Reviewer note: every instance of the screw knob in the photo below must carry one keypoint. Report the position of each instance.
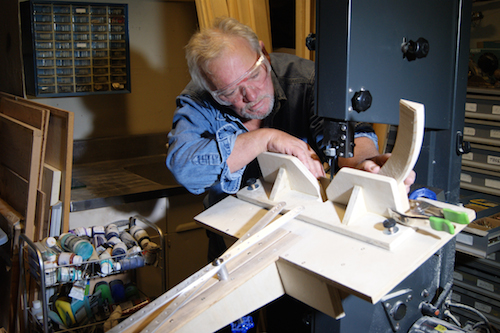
(389, 223)
(362, 100)
(311, 42)
(422, 49)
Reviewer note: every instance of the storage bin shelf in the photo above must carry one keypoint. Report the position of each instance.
(73, 48)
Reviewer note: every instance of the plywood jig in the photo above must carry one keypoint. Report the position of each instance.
(334, 243)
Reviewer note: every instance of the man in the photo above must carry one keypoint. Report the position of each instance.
(241, 102)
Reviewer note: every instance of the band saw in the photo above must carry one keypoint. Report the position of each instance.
(328, 249)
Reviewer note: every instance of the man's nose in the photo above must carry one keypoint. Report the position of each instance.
(249, 93)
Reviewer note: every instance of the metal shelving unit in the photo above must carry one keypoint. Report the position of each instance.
(32, 265)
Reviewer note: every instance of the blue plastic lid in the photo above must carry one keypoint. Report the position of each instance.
(84, 249)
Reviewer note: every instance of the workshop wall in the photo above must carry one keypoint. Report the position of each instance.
(158, 32)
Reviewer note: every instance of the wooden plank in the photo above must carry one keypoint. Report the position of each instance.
(311, 289)
(34, 116)
(59, 154)
(21, 195)
(213, 303)
(21, 146)
(51, 184)
(59, 148)
(41, 225)
(304, 25)
(29, 114)
(20, 150)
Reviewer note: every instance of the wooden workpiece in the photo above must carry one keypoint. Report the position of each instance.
(314, 257)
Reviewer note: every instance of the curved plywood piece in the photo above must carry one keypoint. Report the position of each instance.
(408, 141)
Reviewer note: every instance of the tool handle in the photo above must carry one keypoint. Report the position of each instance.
(440, 224)
(455, 216)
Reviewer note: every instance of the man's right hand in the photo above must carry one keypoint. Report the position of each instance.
(249, 145)
(284, 143)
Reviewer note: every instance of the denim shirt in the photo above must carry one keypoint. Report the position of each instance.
(204, 133)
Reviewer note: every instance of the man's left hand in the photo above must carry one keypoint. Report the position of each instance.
(374, 164)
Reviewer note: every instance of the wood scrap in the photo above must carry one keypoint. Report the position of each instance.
(59, 146)
(20, 151)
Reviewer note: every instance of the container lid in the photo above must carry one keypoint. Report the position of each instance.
(37, 304)
(50, 241)
(106, 267)
(77, 259)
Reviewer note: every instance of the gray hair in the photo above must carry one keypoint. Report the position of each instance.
(209, 43)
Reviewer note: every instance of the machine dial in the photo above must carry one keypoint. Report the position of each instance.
(362, 100)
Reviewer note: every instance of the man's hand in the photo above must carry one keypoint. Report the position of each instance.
(249, 145)
(374, 164)
(367, 158)
(281, 142)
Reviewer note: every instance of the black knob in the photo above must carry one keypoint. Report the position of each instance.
(361, 100)
(422, 49)
(389, 223)
(463, 147)
(311, 42)
(413, 50)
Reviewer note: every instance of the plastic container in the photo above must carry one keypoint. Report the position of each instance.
(103, 287)
(69, 258)
(48, 255)
(132, 263)
(37, 310)
(128, 239)
(117, 290)
(140, 235)
(106, 262)
(49, 242)
(112, 231)
(77, 245)
(119, 250)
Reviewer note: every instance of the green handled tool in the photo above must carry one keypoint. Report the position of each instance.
(440, 218)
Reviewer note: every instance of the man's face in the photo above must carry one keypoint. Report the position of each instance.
(242, 80)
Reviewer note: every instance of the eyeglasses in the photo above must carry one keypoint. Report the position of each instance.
(254, 77)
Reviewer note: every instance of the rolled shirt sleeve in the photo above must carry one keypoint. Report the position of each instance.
(200, 142)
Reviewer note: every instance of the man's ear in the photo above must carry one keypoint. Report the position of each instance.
(264, 51)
